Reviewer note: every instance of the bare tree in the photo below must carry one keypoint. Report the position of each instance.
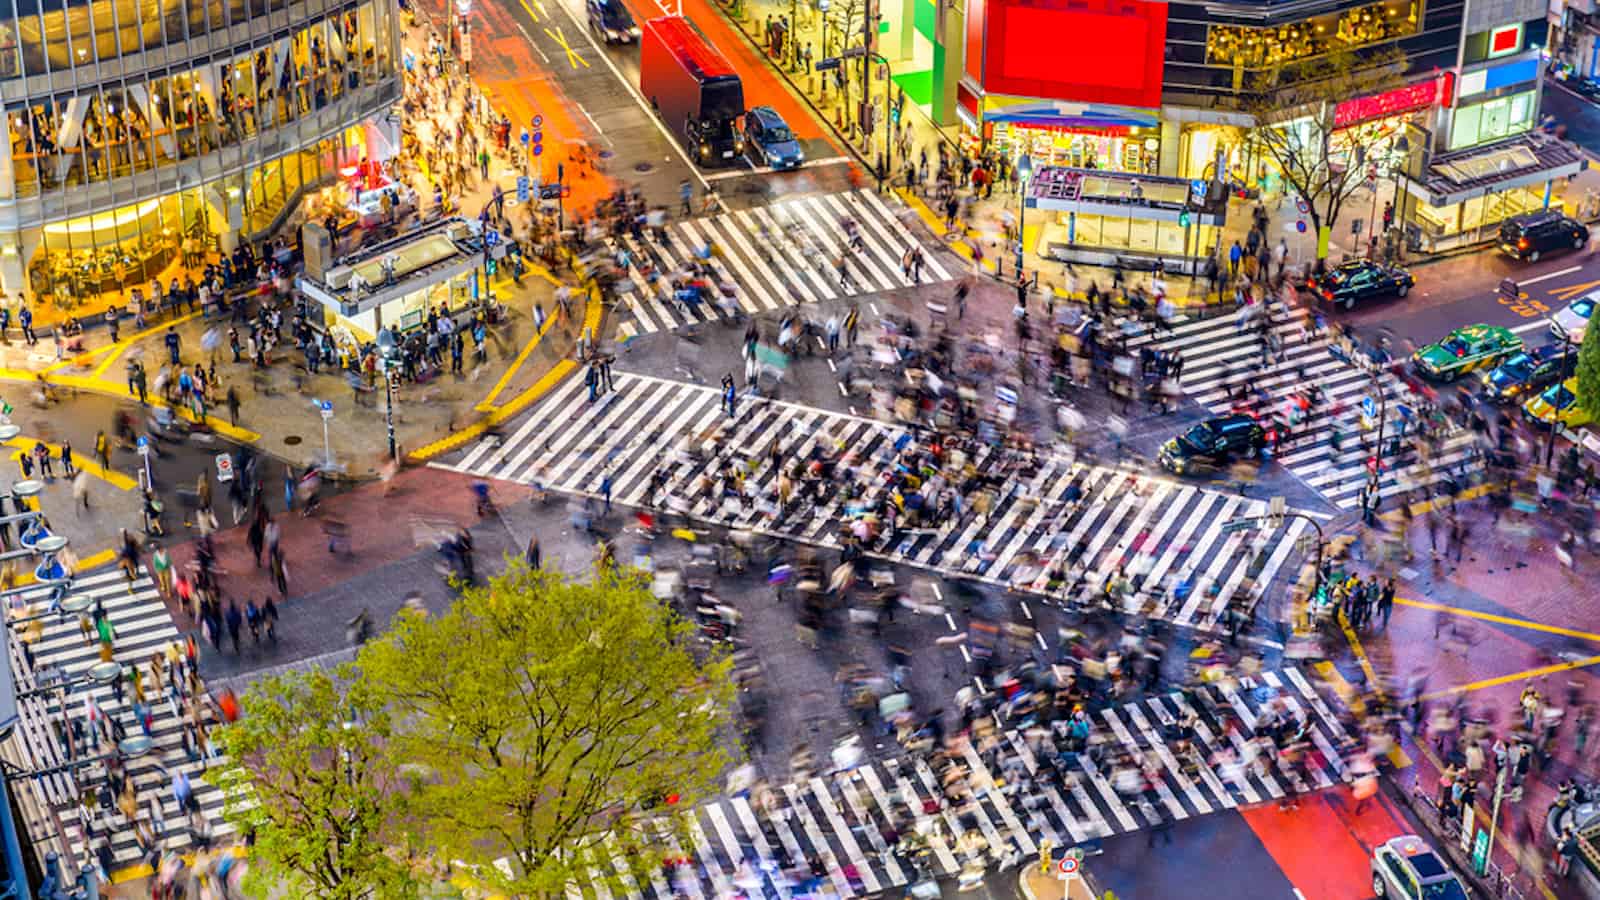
(1294, 106)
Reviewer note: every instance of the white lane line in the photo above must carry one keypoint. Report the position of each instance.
(1567, 271)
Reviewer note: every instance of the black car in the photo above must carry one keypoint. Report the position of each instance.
(1360, 280)
(1214, 442)
(1529, 236)
(612, 21)
(1526, 373)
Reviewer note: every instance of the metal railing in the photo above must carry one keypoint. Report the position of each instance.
(1496, 880)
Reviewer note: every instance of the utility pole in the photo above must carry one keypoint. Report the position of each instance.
(866, 67)
(1555, 414)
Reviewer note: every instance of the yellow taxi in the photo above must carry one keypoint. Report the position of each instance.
(1557, 405)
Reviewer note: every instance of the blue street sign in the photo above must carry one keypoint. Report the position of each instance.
(143, 442)
(491, 238)
(523, 137)
(538, 136)
(538, 149)
(1369, 406)
(538, 121)
(522, 189)
(327, 405)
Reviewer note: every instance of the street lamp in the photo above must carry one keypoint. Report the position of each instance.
(386, 353)
(1024, 171)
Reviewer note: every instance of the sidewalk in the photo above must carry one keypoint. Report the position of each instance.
(277, 405)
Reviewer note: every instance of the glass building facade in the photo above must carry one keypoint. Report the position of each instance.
(148, 133)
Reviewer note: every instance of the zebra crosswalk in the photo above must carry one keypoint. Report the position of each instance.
(776, 256)
(1092, 521)
(51, 659)
(1217, 355)
(1169, 756)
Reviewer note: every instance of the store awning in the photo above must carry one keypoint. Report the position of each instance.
(1073, 116)
(1528, 159)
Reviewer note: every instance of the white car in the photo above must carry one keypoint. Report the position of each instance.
(1571, 322)
(1406, 868)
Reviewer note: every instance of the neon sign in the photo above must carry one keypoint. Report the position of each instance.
(1388, 103)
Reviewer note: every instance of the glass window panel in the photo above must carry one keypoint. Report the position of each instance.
(1464, 131)
(1492, 123)
(79, 27)
(197, 17)
(126, 17)
(10, 49)
(1521, 112)
(55, 35)
(30, 38)
(104, 20)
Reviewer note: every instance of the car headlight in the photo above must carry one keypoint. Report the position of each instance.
(634, 31)
(799, 155)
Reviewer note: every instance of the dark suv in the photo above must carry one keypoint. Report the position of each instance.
(612, 21)
(1529, 236)
(1214, 442)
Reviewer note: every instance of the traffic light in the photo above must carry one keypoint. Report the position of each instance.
(1183, 219)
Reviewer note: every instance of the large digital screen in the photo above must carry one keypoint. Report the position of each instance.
(1099, 51)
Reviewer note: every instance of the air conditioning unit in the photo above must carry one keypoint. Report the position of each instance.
(338, 277)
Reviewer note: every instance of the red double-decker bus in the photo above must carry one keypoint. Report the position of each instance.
(694, 90)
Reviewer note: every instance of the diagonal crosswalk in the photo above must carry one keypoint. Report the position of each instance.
(1091, 521)
(1218, 355)
(53, 651)
(1197, 750)
(777, 256)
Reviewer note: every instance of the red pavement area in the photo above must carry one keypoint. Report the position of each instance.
(382, 530)
(1325, 847)
(762, 86)
(519, 86)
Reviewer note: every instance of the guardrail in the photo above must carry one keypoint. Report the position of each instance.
(1495, 880)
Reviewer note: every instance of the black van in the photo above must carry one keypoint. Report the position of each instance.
(612, 21)
(1531, 235)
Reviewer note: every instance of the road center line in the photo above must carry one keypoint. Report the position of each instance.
(1567, 271)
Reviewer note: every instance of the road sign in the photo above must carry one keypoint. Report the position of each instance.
(1480, 852)
(327, 409)
(524, 137)
(491, 238)
(1509, 289)
(1275, 506)
(224, 467)
(1300, 226)
(522, 189)
(826, 63)
(1067, 867)
(538, 149)
(538, 121)
(1237, 525)
(1369, 407)
(144, 445)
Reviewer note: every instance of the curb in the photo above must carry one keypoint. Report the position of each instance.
(594, 311)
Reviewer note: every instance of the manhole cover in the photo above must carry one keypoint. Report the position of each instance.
(642, 167)
(293, 439)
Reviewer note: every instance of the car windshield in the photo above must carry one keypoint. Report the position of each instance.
(1517, 366)
(1558, 396)
(1202, 435)
(1340, 276)
(1456, 345)
(1583, 308)
(779, 133)
(1449, 889)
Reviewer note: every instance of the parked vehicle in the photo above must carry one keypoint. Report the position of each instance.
(1527, 237)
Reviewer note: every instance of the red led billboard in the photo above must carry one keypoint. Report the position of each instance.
(1086, 51)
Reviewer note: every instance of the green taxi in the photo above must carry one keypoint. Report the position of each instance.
(1464, 350)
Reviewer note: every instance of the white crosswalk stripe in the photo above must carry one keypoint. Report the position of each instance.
(1218, 355)
(841, 820)
(142, 627)
(1091, 521)
(774, 256)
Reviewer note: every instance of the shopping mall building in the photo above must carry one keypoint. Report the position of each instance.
(143, 132)
(1163, 91)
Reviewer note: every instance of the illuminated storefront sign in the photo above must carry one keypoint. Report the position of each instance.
(1091, 51)
(1377, 106)
(1505, 40)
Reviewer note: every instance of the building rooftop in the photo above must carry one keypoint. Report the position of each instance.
(377, 274)
(1494, 164)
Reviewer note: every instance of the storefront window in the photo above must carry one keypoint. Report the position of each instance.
(1254, 48)
(1481, 123)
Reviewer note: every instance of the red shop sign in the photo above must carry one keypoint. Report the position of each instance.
(1388, 103)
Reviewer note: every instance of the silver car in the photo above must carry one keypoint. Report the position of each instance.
(1570, 322)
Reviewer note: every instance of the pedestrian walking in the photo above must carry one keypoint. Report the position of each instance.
(67, 467)
(80, 490)
(102, 450)
(533, 556)
(730, 394)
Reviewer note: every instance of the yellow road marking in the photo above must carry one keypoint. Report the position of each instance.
(574, 58)
(527, 349)
(529, 10)
(1360, 654)
(1514, 676)
(1347, 692)
(87, 463)
(1567, 292)
(111, 389)
(85, 563)
(1503, 620)
(1427, 506)
(591, 324)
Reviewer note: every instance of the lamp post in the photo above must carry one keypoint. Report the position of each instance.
(1402, 149)
(386, 350)
(1024, 172)
(1555, 417)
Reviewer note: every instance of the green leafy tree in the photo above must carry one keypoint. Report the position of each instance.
(552, 718)
(1589, 372)
(308, 768)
